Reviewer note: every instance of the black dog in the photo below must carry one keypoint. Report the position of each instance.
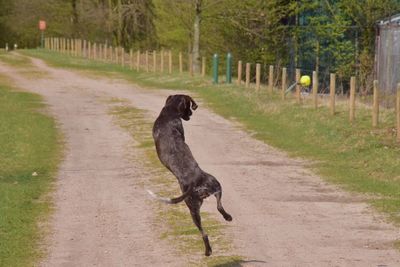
(175, 154)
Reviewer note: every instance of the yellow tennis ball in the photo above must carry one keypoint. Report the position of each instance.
(305, 80)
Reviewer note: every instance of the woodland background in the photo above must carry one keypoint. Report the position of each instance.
(323, 35)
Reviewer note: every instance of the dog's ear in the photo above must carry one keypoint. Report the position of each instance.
(185, 105)
(168, 99)
(194, 105)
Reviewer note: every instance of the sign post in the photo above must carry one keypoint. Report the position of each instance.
(42, 28)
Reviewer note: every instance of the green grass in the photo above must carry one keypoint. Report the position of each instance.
(22, 64)
(14, 60)
(355, 156)
(28, 143)
(181, 229)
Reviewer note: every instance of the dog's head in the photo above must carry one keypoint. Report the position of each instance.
(184, 104)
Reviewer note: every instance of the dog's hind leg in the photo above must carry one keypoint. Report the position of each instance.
(194, 207)
(221, 210)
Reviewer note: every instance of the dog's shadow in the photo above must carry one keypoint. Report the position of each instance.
(238, 263)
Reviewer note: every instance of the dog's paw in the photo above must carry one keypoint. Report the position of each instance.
(228, 217)
(208, 253)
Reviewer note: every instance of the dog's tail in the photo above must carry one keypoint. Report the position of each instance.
(171, 200)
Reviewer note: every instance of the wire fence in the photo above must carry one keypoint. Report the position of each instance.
(256, 75)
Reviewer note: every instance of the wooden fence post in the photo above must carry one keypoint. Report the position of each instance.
(116, 50)
(180, 63)
(122, 56)
(239, 78)
(203, 66)
(375, 105)
(190, 64)
(247, 75)
(315, 88)
(76, 47)
(147, 61)
(258, 75)
(271, 79)
(94, 51)
(131, 59)
(110, 49)
(298, 86)
(89, 50)
(67, 46)
(154, 60)
(138, 60)
(83, 48)
(352, 99)
(170, 62)
(98, 51)
(398, 112)
(332, 91)
(284, 80)
(162, 61)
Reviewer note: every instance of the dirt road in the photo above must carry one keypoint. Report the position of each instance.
(283, 214)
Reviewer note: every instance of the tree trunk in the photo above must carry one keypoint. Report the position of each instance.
(196, 38)
(110, 22)
(119, 41)
(75, 21)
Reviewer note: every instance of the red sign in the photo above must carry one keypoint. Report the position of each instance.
(42, 25)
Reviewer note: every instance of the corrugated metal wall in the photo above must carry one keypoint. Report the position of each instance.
(387, 63)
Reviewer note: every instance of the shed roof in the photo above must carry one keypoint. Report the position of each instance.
(395, 19)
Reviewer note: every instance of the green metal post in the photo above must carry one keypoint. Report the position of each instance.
(229, 68)
(215, 68)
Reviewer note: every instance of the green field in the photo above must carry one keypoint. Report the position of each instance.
(29, 143)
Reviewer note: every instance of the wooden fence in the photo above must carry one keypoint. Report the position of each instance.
(162, 61)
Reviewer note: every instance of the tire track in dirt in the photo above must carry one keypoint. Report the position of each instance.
(283, 214)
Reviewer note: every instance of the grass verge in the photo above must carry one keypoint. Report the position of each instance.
(181, 229)
(29, 144)
(22, 64)
(355, 156)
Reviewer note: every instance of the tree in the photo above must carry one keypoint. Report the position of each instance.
(364, 14)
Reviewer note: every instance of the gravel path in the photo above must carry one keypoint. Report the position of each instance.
(283, 214)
